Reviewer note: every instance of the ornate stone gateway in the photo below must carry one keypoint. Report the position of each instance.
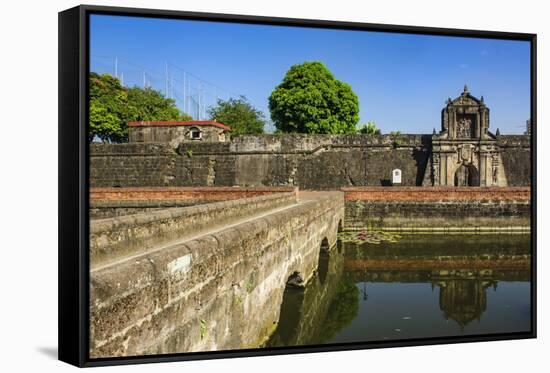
(464, 152)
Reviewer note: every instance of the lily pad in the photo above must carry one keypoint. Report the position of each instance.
(364, 236)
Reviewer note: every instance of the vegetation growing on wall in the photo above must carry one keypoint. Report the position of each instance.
(239, 114)
(311, 100)
(395, 138)
(112, 106)
(369, 129)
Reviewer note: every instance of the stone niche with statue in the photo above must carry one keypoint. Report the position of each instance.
(465, 152)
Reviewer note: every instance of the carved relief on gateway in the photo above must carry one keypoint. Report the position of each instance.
(495, 164)
(435, 171)
(464, 128)
(465, 153)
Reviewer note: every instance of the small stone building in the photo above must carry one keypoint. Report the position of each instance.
(465, 152)
(175, 132)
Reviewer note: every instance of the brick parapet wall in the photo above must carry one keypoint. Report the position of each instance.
(418, 194)
(154, 194)
(441, 209)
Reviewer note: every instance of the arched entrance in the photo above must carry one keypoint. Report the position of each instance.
(467, 175)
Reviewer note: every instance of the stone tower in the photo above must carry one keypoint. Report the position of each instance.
(464, 152)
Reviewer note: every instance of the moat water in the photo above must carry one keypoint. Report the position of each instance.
(418, 287)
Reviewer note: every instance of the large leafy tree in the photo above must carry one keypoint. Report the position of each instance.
(108, 109)
(112, 106)
(149, 104)
(239, 114)
(311, 100)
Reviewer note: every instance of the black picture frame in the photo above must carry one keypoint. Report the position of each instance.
(74, 190)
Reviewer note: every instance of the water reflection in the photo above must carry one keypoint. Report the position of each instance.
(463, 300)
(421, 286)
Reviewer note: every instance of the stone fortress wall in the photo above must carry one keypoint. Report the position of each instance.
(306, 161)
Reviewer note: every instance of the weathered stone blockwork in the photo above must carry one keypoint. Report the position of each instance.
(110, 209)
(124, 165)
(221, 291)
(310, 162)
(515, 152)
(306, 161)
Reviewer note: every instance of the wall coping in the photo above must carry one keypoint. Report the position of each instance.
(179, 193)
(433, 189)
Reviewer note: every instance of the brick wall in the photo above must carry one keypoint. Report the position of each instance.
(182, 193)
(438, 194)
(438, 209)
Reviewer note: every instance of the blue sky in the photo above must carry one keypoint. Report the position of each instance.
(402, 80)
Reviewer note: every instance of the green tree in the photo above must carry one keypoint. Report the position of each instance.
(239, 114)
(311, 100)
(185, 116)
(112, 106)
(105, 124)
(148, 104)
(108, 109)
(369, 129)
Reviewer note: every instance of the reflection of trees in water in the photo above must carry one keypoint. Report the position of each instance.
(342, 311)
(315, 314)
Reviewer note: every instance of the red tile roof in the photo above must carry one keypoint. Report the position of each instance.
(179, 123)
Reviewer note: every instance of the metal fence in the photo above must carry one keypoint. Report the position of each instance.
(192, 94)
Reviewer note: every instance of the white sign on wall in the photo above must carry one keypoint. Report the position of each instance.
(396, 176)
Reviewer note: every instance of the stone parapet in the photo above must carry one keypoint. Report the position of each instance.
(114, 239)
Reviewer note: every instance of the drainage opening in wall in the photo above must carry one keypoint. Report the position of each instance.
(295, 280)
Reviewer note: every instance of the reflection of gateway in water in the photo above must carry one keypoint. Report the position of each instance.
(463, 300)
(463, 292)
(330, 302)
